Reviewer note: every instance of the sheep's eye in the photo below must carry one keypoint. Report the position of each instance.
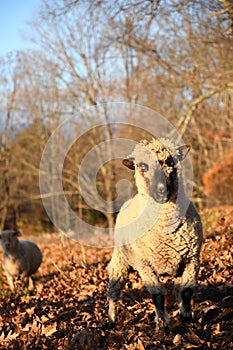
(170, 161)
(144, 167)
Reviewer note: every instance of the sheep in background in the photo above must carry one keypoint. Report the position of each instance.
(159, 231)
(20, 258)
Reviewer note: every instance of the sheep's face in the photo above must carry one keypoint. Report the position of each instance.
(151, 179)
(156, 170)
(9, 240)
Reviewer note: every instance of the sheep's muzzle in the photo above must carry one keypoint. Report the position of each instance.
(159, 188)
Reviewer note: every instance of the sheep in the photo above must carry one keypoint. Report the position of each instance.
(158, 232)
(20, 258)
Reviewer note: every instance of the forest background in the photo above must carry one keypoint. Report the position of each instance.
(172, 56)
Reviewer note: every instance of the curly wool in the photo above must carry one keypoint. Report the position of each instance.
(162, 149)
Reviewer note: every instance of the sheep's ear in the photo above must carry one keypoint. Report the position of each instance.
(129, 162)
(17, 233)
(183, 151)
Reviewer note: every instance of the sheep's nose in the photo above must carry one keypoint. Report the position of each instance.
(161, 189)
(161, 193)
(7, 245)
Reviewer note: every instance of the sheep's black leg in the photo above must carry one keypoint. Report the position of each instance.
(118, 273)
(186, 284)
(114, 292)
(158, 300)
(153, 286)
(186, 311)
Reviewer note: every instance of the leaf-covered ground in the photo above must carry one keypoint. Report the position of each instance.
(68, 309)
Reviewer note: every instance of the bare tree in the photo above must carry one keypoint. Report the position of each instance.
(8, 93)
(173, 57)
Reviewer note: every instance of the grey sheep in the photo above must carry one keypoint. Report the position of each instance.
(20, 258)
(158, 232)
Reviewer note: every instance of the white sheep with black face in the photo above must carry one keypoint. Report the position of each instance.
(159, 231)
(20, 258)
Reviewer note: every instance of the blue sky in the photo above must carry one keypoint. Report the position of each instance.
(14, 15)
